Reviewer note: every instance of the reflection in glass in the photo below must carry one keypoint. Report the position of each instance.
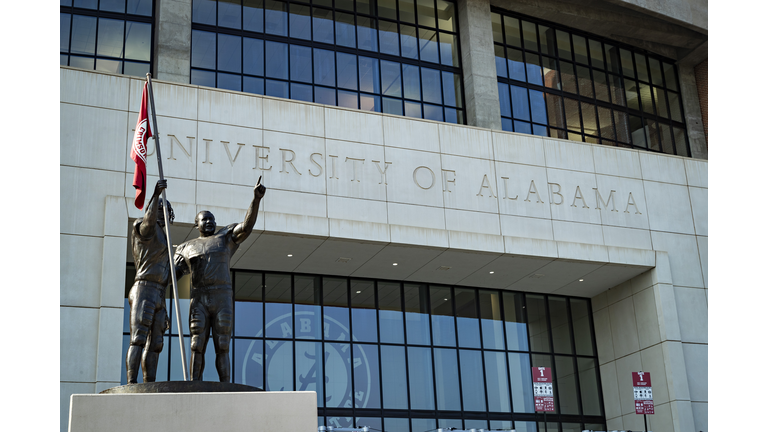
(276, 17)
(393, 377)
(202, 78)
(472, 382)
(346, 71)
(558, 312)
(307, 307)
(420, 377)
(496, 381)
(637, 131)
(253, 57)
(466, 318)
(538, 332)
(551, 74)
(278, 310)
(322, 25)
(588, 119)
(363, 311)
(533, 68)
(203, 49)
(446, 16)
(309, 370)
(580, 49)
(325, 68)
(680, 146)
(431, 88)
(529, 36)
(390, 312)
(590, 396)
(249, 362)
(675, 112)
(428, 47)
(253, 15)
(519, 98)
(505, 103)
(229, 13)
(411, 82)
(490, 319)
(512, 32)
(83, 36)
(443, 332)
(522, 385)
(366, 376)
(279, 365)
(389, 40)
(301, 64)
(138, 37)
(204, 12)
(646, 98)
(606, 126)
(568, 76)
(111, 66)
(627, 68)
(623, 132)
(565, 382)
(516, 64)
(417, 313)
(347, 99)
(335, 309)
(366, 34)
(596, 54)
(582, 332)
(110, 40)
(447, 379)
(300, 21)
(277, 66)
(409, 42)
(585, 82)
(249, 310)
(228, 53)
(345, 29)
(426, 12)
(452, 89)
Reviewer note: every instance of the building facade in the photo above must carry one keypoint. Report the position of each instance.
(458, 191)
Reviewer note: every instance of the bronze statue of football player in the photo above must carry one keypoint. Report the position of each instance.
(211, 305)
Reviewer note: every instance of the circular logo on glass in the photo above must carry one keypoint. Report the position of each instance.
(328, 371)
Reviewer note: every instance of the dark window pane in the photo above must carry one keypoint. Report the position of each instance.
(417, 313)
(505, 103)
(551, 73)
(642, 67)
(345, 4)
(325, 68)
(335, 309)
(64, 23)
(601, 86)
(306, 295)
(622, 126)
(392, 106)
(516, 64)
(547, 40)
(646, 99)
(112, 5)
(431, 88)
(86, 4)
(426, 13)
(203, 49)
(249, 308)
(523, 127)
(229, 13)
(277, 66)
(203, 78)
(681, 148)
(279, 365)
(276, 89)
(138, 40)
(249, 362)
(514, 321)
(204, 12)
(229, 53)
(389, 39)
(670, 77)
(300, 22)
(253, 56)
(451, 115)
(325, 96)
(83, 39)
(555, 112)
(501, 61)
(596, 54)
(387, 9)
(538, 107)
(512, 32)
(390, 312)
(656, 75)
(612, 54)
(661, 102)
(346, 71)
(568, 77)
(590, 399)
(561, 333)
(637, 131)
(364, 327)
(407, 12)
(630, 89)
(627, 67)
(538, 333)
(277, 302)
(409, 42)
(606, 129)
(301, 64)
(665, 133)
(466, 318)
(140, 7)
(506, 125)
(585, 82)
(228, 81)
(540, 130)
(533, 68)
(393, 377)
(490, 320)
(276, 17)
(580, 49)
(496, 382)
(420, 376)
(675, 111)
(253, 15)
(617, 90)
(253, 85)
(529, 36)
(446, 16)
(428, 48)
(322, 25)
(443, 332)
(364, 7)
(472, 382)
(347, 99)
(345, 29)
(564, 45)
(110, 66)
(447, 379)
(391, 83)
(565, 381)
(411, 83)
(366, 34)
(589, 119)
(519, 99)
(369, 74)
(452, 89)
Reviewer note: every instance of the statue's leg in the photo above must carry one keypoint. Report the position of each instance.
(222, 333)
(141, 316)
(199, 328)
(154, 343)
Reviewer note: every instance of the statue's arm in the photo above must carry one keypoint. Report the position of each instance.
(243, 230)
(180, 264)
(147, 227)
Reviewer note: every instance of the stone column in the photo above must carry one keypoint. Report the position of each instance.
(689, 92)
(478, 64)
(173, 40)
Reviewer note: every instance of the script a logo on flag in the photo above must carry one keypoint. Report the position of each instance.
(139, 151)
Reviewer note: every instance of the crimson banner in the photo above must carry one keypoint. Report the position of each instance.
(139, 151)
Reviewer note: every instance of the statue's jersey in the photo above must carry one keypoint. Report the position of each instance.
(207, 258)
(151, 255)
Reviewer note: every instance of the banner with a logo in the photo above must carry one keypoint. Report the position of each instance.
(139, 151)
(543, 393)
(641, 383)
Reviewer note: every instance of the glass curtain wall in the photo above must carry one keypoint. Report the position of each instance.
(557, 82)
(404, 356)
(107, 35)
(392, 56)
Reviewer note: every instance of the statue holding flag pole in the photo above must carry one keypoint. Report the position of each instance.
(151, 247)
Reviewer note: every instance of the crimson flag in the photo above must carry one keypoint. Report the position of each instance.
(139, 151)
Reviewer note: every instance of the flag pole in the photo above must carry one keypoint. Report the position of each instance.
(168, 233)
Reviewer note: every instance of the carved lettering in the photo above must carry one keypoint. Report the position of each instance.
(384, 171)
(333, 167)
(178, 143)
(506, 189)
(532, 190)
(229, 154)
(354, 167)
(259, 157)
(486, 184)
(311, 159)
(553, 192)
(289, 161)
(599, 199)
(578, 195)
(416, 180)
(207, 151)
(446, 180)
(631, 202)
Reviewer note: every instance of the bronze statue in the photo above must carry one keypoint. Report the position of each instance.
(211, 305)
(149, 318)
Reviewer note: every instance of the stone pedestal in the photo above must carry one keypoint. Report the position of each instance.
(194, 412)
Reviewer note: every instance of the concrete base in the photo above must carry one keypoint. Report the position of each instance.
(193, 412)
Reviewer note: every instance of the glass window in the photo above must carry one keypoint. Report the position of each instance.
(490, 319)
(364, 328)
(441, 305)
(277, 302)
(472, 382)
(417, 313)
(390, 312)
(496, 381)
(447, 379)
(421, 387)
(393, 377)
(466, 318)
(367, 390)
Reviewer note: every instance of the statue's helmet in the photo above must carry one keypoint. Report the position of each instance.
(161, 203)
